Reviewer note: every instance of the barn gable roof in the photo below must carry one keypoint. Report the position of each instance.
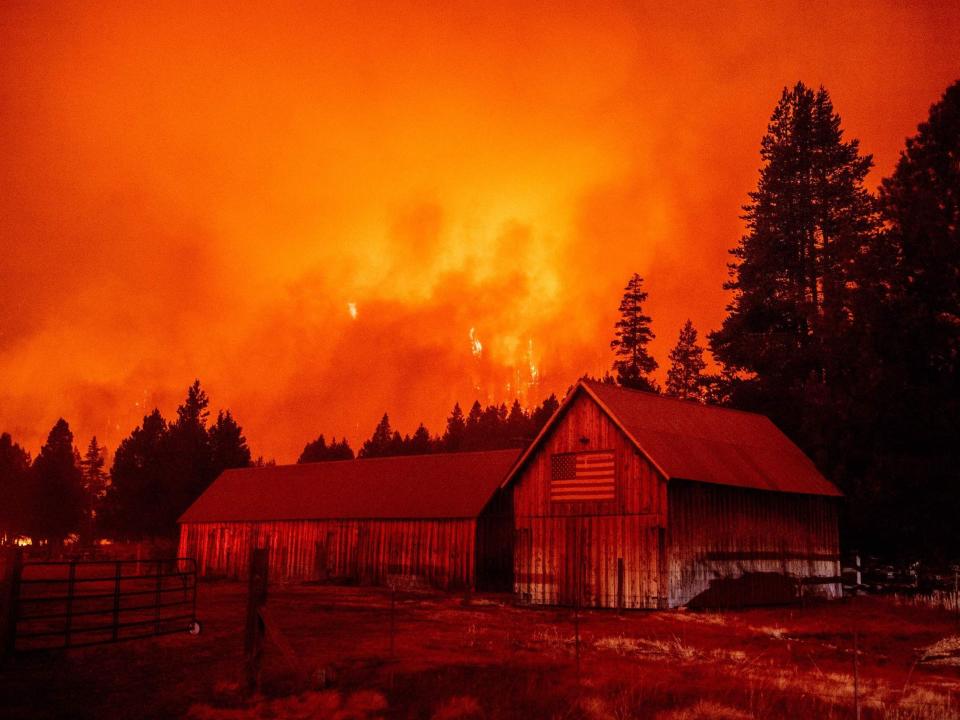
(443, 485)
(687, 440)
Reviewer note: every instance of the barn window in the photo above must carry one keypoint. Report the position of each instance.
(583, 476)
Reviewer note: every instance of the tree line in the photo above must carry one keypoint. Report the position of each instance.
(492, 428)
(157, 472)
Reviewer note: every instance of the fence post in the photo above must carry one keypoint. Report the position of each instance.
(71, 586)
(257, 598)
(13, 570)
(118, 571)
(157, 597)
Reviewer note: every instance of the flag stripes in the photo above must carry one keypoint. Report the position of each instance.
(578, 477)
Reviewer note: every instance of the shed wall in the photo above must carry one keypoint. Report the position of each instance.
(565, 553)
(718, 532)
(438, 552)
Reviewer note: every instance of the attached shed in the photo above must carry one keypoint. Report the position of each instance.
(630, 499)
(368, 521)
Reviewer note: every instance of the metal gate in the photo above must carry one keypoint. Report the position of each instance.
(76, 603)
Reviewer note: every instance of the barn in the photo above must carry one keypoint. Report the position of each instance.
(630, 499)
(412, 519)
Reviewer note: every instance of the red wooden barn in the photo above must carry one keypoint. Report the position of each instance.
(630, 499)
(391, 519)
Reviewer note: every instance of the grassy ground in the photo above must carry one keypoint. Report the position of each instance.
(448, 659)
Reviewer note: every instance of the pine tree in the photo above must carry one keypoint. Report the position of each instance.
(542, 413)
(95, 481)
(518, 429)
(420, 443)
(228, 446)
(319, 451)
(58, 485)
(16, 501)
(339, 450)
(379, 443)
(684, 378)
(807, 221)
(190, 453)
(314, 451)
(456, 428)
(137, 503)
(921, 205)
(905, 477)
(634, 364)
(472, 437)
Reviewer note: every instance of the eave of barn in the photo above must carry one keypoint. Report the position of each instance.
(602, 554)
(436, 552)
(718, 534)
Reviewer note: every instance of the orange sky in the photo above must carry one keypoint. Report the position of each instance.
(201, 191)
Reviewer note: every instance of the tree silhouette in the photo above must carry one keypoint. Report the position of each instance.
(633, 363)
(190, 453)
(420, 443)
(380, 442)
(95, 481)
(318, 450)
(518, 426)
(456, 428)
(921, 205)
(16, 498)
(228, 446)
(905, 411)
(160, 469)
(807, 221)
(137, 501)
(542, 413)
(684, 378)
(58, 484)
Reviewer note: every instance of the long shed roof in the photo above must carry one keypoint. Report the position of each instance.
(688, 440)
(444, 485)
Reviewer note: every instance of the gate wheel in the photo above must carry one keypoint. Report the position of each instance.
(194, 628)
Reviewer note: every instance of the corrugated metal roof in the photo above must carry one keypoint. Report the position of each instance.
(691, 441)
(687, 440)
(444, 485)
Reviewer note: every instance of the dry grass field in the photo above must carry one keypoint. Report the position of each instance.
(451, 657)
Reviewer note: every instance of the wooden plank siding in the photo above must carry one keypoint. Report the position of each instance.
(570, 552)
(440, 553)
(723, 532)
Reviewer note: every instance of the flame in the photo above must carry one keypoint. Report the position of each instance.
(476, 347)
(532, 365)
(352, 309)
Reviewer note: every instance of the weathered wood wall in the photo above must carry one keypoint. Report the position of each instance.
(720, 532)
(438, 552)
(565, 552)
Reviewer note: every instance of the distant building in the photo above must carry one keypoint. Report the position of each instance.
(376, 521)
(631, 499)
(625, 499)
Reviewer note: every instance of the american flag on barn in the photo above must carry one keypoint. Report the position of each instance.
(583, 476)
